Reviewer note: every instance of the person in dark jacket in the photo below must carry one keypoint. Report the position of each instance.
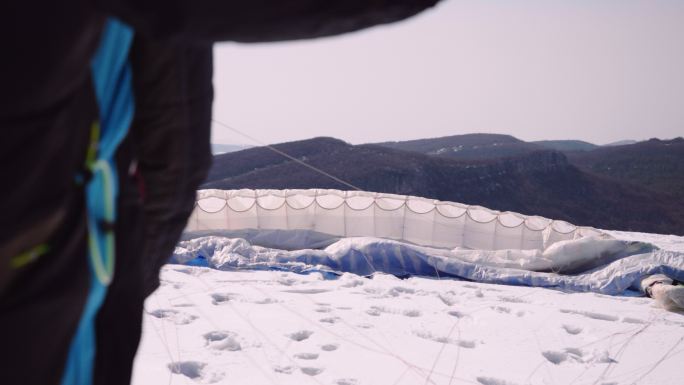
(105, 109)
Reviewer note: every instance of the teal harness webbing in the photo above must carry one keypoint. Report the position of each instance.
(111, 76)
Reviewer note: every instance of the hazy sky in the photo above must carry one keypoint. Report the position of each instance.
(596, 70)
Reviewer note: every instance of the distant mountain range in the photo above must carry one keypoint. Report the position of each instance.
(655, 165)
(634, 187)
(621, 143)
(567, 145)
(224, 148)
(468, 147)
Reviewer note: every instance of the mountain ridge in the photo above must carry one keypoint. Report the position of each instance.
(540, 182)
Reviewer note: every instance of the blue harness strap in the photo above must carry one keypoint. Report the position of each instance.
(111, 76)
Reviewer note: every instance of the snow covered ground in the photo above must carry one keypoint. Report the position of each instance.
(275, 327)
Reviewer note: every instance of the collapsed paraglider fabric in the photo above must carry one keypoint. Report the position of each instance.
(416, 220)
(411, 236)
(589, 264)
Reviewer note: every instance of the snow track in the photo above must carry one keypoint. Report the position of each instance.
(270, 327)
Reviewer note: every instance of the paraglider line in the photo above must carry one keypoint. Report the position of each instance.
(288, 156)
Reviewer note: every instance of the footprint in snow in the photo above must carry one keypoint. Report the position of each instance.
(220, 298)
(468, 344)
(266, 301)
(577, 355)
(190, 369)
(175, 316)
(399, 290)
(374, 311)
(502, 309)
(347, 381)
(554, 357)
(493, 381)
(329, 347)
(512, 299)
(631, 320)
(196, 371)
(284, 369)
(571, 329)
(300, 335)
(377, 310)
(457, 314)
(311, 371)
(412, 313)
(222, 340)
(352, 283)
(373, 290)
(287, 281)
(330, 320)
(448, 299)
(306, 356)
(323, 310)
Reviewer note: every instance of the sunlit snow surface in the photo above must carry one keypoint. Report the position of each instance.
(271, 327)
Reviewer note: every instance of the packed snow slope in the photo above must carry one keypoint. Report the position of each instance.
(287, 320)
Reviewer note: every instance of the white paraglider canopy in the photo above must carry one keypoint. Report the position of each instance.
(364, 232)
(416, 220)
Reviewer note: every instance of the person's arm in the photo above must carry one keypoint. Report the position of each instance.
(257, 20)
(171, 128)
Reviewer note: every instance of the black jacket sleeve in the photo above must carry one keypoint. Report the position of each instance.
(171, 128)
(172, 70)
(258, 20)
